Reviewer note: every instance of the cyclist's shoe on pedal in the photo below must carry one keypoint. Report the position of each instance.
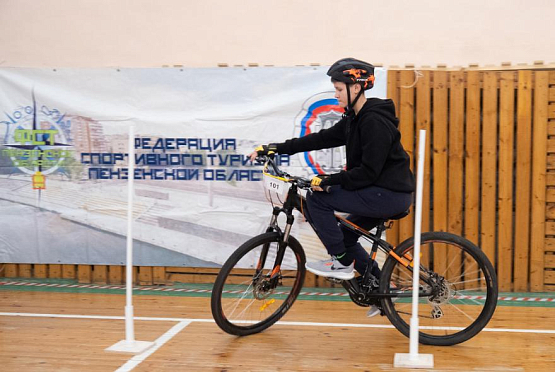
(373, 310)
(332, 268)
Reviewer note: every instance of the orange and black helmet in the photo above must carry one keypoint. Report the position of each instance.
(352, 71)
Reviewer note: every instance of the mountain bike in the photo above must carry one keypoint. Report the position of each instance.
(260, 281)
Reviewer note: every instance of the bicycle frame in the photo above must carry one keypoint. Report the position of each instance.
(296, 201)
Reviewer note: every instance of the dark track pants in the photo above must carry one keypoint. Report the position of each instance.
(366, 206)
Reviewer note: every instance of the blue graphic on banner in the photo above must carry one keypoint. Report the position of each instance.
(320, 112)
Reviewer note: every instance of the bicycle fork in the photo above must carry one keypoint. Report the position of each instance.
(282, 245)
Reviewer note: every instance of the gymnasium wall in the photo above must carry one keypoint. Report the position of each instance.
(144, 33)
(502, 42)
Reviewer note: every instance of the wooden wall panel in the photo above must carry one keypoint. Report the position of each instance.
(489, 165)
(440, 160)
(523, 181)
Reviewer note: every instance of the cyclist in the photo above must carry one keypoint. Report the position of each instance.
(377, 182)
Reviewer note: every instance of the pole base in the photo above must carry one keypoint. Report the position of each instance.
(414, 361)
(132, 347)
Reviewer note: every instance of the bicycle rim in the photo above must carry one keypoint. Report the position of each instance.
(467, 292)
(244, 299)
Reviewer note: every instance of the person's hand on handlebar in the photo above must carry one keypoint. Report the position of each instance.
(320, 182)
(263, 150)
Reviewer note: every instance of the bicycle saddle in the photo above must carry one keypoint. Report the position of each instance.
(398, 216)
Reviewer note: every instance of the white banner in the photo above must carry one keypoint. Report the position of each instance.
(64, 153)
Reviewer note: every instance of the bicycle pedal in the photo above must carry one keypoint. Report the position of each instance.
(334, 280)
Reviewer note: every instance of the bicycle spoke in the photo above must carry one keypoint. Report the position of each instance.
(246, 308)
(237, 302)
(444, 274)
(462, 312)
(467, 281)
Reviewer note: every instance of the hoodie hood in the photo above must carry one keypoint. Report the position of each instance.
(383, 107)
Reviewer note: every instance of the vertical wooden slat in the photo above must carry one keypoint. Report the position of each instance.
(84, 273)
(68, 272)
(406, 115)
(539, 164)
(159, 275)
(423, 106)
(505, 195)
(100, 274)
(55, 271)
(11, 270)
(2, 270)
(522, 176)
(472, 172)
(145, 275)
(472, 157)
(456, 173)
(456, 152)
(115, 274)
(310, 279)
(134, 274)
(489, 165)
(25, 271)
(40, 271)
(440, 161)
(393, 93)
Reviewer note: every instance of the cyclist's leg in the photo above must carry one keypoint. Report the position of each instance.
(354, 249)
(372, 201)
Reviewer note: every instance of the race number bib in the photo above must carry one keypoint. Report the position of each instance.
(278, 186)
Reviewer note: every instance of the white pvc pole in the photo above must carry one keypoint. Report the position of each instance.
(416, 259)
(129, 328)
(130, 345)
(413, 359)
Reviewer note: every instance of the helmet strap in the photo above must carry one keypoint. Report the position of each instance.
(350, 109)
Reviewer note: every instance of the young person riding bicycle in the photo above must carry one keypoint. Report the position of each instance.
(377, 182)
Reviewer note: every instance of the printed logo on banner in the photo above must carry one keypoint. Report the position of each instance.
(35, 140)
(320, 111)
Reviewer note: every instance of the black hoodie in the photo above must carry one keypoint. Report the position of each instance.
(375, 155)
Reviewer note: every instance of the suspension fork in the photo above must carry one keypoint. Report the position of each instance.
(282, 245)
(266, 247)
(281, 250)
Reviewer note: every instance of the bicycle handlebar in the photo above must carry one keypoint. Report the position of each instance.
(301, 182)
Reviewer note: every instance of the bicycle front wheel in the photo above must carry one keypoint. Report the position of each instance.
(463, 291)
(246, 297)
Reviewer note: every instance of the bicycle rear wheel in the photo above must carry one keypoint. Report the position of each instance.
(244, 298)
(465, 294)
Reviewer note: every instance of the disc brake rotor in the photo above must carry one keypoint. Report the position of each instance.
(262, 289)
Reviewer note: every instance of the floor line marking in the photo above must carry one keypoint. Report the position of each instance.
(287, 323)
(160, 341)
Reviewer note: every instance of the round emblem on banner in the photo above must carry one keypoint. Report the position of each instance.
(35, 140)
(320, 111)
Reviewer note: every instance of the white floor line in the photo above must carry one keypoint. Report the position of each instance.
(286, 323)
(160, 341)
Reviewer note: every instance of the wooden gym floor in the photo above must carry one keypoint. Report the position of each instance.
(63, 327)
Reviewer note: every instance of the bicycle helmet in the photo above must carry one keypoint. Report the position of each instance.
(352, 71)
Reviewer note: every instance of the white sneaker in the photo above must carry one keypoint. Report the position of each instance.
(332, 268)
(373, 311)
